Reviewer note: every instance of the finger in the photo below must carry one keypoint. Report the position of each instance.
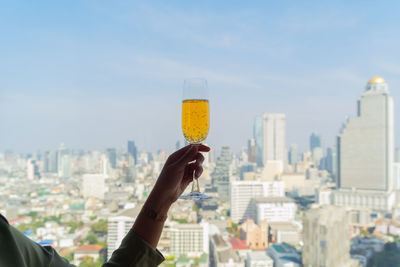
(203, 148)
(179, 153)
(188, 174)
(198, 172)
(189, 156)
(199, 158)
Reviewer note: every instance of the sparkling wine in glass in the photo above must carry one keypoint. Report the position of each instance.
(195, 122)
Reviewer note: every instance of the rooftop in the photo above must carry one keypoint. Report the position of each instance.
(376, 80)
(273, 199)
(238, 244)
(94, 248)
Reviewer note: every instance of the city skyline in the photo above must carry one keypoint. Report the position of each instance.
(85, 81)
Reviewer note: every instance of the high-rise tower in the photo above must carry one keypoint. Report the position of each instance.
(270, 137)
(365, 151)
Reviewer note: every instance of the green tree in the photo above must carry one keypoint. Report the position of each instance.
(91, 238)
(99, 227)
(89, 262)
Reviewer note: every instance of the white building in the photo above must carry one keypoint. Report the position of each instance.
(242, 192)
(274, 209)
(93, 186)
(326, 238)
(258, 259)
(270, 137)
(189, 239)
(118, 227)
(365, 150)
(30, 169)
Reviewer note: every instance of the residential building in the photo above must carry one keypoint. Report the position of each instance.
(284, 255)
(258, 259)
(93, 185)
(189, 239)
(96, 252)
(274, 209)
(242, 192)
(256, 235)
(222, 254)
(118, 226)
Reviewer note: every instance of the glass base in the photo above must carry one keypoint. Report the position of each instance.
(195, 196)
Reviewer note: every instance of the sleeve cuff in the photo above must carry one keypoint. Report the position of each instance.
(134, 251)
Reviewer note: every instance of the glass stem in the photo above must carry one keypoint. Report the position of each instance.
(195, 184)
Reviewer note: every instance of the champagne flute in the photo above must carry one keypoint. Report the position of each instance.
(195, 122)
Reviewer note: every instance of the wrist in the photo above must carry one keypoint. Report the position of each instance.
(158, 203)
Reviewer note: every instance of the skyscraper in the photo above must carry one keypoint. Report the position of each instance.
(331, 161)
(258, 138)
(326, 238)
(112, 157)
(315, 141)
(132, 152)
(252, 150)
(293, 154)
(221, 173)
(63, 161)
(270, 137)
(365, 148)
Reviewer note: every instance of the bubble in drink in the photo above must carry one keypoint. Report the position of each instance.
(195, 120)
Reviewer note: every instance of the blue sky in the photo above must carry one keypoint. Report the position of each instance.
(94, 74)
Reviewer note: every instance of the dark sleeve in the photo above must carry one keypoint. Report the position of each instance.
(19, 251)
(134, 251)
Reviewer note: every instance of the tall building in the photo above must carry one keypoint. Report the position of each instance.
(53, 162)
(326, 238)
(221, 174)
(293, 156)
(132, 153)
(331, 161)
(112, 157)
(32, 169)
(315, 141)
(365, 148)
(189, 239)
(252, 150)
(243, 192)
(64, 170)
(63, 161)
(270, 137)
(258, 138)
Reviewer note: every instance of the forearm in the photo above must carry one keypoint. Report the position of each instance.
(147, 228)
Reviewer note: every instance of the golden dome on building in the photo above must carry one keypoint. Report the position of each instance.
(376, 80)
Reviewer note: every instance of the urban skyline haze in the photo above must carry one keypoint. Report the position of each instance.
(96, 74)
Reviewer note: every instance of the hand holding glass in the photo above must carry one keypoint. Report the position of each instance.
(195, 122)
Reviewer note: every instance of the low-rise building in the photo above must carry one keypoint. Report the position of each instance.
(258, 259)
(222, 254)
(95, 252)
(284, 255)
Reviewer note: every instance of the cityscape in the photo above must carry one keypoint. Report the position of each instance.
(273, 204)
